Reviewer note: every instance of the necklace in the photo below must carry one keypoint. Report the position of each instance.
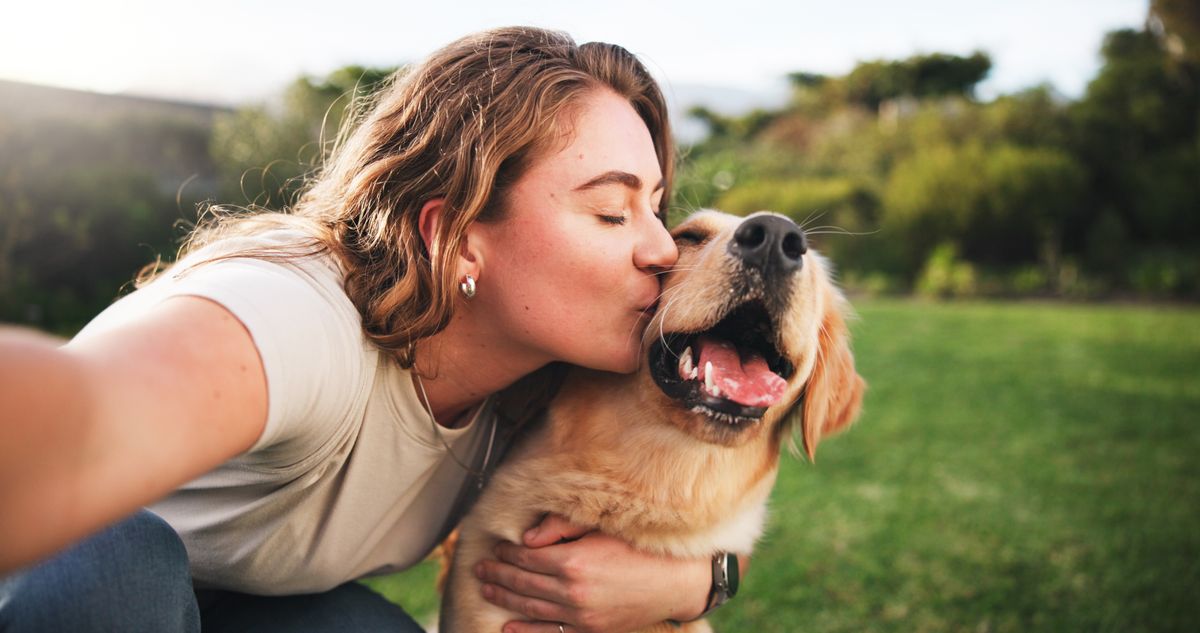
(481, 474)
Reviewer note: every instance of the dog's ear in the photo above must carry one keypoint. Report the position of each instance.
(833, 396)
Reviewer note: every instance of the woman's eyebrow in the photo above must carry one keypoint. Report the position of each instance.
(618, 178)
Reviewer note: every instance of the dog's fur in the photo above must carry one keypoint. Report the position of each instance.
(616, 453)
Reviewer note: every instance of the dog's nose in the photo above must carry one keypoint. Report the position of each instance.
(771, 243)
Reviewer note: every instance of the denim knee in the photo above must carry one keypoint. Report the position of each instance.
(132, 576)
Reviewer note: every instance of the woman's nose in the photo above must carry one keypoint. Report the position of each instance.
(655, 249)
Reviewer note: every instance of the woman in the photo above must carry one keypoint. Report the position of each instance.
(304, 397)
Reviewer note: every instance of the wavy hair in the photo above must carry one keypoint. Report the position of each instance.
(464, 125)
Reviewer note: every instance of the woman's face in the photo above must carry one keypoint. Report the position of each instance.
(571, 271)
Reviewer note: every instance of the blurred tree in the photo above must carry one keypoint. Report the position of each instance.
(921, 76)
(1001, 205)
(940, 75)
(1177, 25)
(84, 204)
(1137, 128)
(815, 94)
(805, 80)
(1032, 117)
(734, 127)
(265, 151)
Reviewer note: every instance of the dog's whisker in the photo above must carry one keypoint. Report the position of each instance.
(842, 232)
(642, 337)
(658, 317)
(678, 292)
(812, 217)
(676, 269)
(662, 335)
(665, 308)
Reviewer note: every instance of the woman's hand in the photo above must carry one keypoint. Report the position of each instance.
(590, 583)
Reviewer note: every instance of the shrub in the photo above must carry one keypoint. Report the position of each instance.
(1166, 272)
(947, 275)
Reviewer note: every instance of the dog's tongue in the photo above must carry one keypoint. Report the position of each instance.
(746, 381)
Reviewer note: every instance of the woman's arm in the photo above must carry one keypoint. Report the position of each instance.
(94, 429)
(594, 583)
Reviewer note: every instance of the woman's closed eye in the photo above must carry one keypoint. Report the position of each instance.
(612, 218)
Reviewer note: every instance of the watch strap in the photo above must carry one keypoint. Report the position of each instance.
(725, 580)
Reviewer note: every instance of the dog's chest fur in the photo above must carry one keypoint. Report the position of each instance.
(614, 467)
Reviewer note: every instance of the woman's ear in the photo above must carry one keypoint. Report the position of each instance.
(429, 224)
(834, 392)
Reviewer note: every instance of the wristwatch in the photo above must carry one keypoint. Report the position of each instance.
(724, 580)
(724, 584)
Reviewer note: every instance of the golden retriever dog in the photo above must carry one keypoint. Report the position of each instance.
(679, 458)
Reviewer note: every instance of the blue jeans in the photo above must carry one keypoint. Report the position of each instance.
(134, 577)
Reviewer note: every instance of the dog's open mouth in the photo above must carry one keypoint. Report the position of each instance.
(732, 372)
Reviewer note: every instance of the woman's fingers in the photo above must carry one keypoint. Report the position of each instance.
(538, 627)
(530, 607)
(521, 581)
(542, 561)
(554, 528)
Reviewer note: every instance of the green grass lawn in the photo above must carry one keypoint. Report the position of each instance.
(1017, 467)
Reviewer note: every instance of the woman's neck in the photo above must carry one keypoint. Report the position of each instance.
(465, 363)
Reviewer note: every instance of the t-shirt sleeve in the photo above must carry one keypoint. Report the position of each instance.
(309, 338)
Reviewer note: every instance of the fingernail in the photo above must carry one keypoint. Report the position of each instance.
(531, 534)
(488, 591)
(479, 570)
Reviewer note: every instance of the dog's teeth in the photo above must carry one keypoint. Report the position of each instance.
(694, 374)
(709, 380)
(686, 369)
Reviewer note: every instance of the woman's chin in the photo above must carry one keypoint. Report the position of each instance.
(627, 365)
(618, 362)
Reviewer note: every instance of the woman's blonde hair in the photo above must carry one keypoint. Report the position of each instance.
(462, 126)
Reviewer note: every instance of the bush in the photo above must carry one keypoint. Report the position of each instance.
(872, 283)
(1165, 272)
(1003, 205)
(1029, 280)
(801, 199)
(947, 275)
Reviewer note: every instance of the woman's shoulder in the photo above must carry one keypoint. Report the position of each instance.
(290, 296)
(282, 246)
(274, 281)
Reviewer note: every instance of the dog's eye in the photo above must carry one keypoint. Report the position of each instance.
(690, 238)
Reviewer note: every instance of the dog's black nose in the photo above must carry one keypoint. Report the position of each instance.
(771, 243)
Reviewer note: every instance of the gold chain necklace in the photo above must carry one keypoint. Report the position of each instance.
(481, 474)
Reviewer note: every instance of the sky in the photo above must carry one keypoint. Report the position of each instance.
(240, 51)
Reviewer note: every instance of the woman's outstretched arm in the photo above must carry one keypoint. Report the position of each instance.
(92, 430)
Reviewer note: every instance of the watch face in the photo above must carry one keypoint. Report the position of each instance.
(724, 580)
(733, 573)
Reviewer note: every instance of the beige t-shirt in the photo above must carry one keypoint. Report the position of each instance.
(349, 478)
